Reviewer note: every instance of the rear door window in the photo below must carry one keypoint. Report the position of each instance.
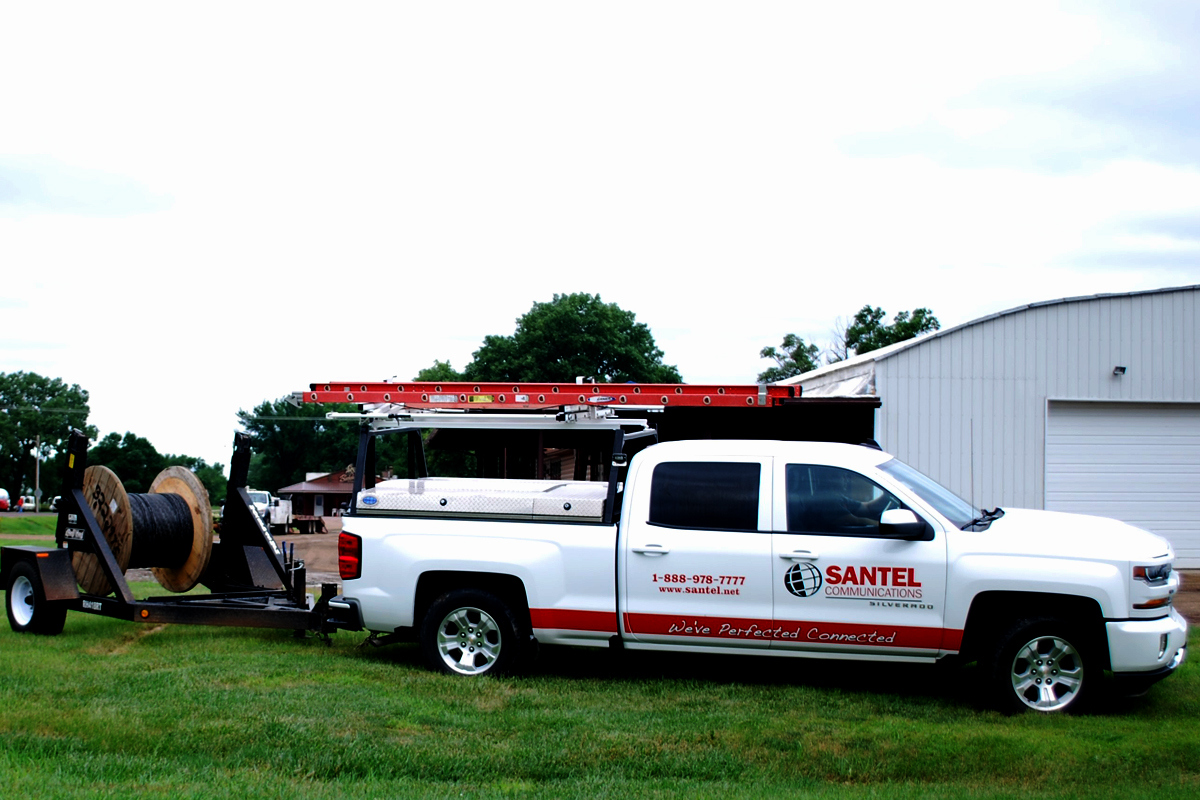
(713, 495)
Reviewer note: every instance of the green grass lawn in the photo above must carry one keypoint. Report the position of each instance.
(118, 709)
(27, 525)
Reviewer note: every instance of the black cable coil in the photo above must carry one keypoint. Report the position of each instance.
(162, 530)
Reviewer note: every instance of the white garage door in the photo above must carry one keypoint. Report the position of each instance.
(1137, 462)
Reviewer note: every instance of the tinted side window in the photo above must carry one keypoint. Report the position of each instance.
(704, 494)
(835, 501)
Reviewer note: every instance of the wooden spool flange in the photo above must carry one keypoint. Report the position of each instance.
(181, 481)
(110, 505)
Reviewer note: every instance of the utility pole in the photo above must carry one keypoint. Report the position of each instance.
(37, 474)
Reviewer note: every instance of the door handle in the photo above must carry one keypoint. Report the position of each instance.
(651, 550)
(800, 555)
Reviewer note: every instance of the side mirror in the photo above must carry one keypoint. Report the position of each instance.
(900, 523)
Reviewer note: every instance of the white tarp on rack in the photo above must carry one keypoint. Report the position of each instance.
(853, 386)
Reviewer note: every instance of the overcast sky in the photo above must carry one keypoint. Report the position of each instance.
(207, 206)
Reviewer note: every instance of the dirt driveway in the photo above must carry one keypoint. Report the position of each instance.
(318, 551)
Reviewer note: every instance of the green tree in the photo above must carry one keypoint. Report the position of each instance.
(137, 463)
(211, 475)
(134, 460)
(573, 335)
(868, 332)
(37, 413)
(792, 358)
(290, 441)
(440, 371)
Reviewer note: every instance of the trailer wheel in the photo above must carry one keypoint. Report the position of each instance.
(471, 632)
(28, 609)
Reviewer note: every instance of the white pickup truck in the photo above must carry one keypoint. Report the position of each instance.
(800, 549)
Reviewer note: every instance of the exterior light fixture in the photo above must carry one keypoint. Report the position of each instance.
(1118, 371)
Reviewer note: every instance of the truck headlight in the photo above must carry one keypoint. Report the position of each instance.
(1155, 575)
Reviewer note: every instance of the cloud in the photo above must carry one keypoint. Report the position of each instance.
(39, 185)
(1163, 241)
(1033, 141)
(1127, 90)
(1179, 227)
(1157, 259)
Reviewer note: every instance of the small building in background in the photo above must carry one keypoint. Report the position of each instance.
(318, 501)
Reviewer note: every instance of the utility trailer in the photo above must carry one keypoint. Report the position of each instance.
(251, 581)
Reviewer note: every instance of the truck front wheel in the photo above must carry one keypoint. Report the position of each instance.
(1040, 664)
(471, 632)
(28, 609)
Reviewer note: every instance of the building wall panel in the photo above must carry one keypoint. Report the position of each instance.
(968, 406)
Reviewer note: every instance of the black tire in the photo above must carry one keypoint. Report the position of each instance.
(473, 633)
(1045, 664)
(28, 609)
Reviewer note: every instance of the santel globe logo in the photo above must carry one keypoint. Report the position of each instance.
(803, 580)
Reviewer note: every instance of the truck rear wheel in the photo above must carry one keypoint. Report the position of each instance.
(1040, 664)
(28, 609)
(472, 632)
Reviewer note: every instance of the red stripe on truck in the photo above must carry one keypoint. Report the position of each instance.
(737, 628)
(569, 620)
(793, 631)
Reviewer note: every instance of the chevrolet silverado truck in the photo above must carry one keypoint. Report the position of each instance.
(763, 548)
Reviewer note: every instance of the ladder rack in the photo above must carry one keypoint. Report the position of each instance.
(497, 396)
(579, 417)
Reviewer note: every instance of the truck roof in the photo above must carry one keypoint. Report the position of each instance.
(850, 455)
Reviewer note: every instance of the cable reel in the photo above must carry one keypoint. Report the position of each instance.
(169, 530)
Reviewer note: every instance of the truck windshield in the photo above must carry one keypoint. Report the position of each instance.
(947, 503)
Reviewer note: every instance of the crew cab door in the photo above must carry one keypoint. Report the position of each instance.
(840, 585)
(696, 554)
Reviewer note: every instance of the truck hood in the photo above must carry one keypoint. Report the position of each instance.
(1054, 533)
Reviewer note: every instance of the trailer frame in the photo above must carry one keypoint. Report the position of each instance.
(252, 582)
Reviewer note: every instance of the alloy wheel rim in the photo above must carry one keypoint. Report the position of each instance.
(1047, 673)
(468, 640)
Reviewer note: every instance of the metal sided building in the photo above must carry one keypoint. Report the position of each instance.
(1085, 404)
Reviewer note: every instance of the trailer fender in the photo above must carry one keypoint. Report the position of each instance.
(53, 568)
